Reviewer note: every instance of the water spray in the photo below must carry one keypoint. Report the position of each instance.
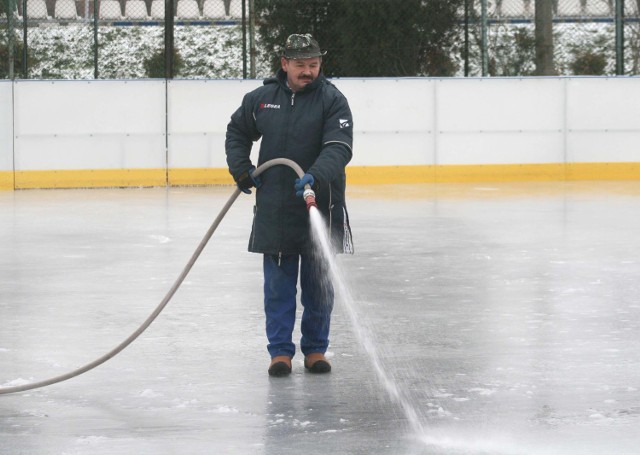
(310, 199)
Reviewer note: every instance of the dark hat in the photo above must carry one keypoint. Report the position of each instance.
(302, 46)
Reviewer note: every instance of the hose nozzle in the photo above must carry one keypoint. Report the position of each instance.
(309, 197)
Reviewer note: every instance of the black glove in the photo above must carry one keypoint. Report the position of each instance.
(247, 180)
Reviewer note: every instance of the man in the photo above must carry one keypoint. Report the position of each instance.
(301, 116)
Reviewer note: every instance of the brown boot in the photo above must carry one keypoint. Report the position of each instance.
(280, 366)
(317, 363)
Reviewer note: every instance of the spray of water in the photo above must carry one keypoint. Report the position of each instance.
(321, 240)
(440, 438)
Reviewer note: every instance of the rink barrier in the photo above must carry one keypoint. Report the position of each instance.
(85, 134)
(493, 173)
(98, 178)
(7, 180)
(359, 175)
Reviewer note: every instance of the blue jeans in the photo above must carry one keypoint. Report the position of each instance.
(280, 289)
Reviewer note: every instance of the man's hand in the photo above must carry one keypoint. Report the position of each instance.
(247, 180)
(300, 183)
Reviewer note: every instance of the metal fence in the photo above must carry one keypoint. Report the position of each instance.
(590, 37)
(87, 39)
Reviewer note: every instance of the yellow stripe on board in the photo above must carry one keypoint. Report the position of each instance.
(362, 175)
(91, 178)
(199, 176)
(454, 173)
(492, 173)
(500, 173)
(603, 171)
(365, 175)
(6, 180)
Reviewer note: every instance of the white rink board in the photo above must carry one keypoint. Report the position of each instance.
(504, 147)
(76, 125)
(604, 147)
(70, 125)
(500, 121)
(603, 120)
(6, 126)
(199, 112)
(598, 104)
(504, 104)
(393, 120)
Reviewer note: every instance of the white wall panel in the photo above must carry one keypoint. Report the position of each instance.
(6, 126)
(603, 147)
(391, 148)
(481, 105)
(41, 153)
(122, 124)
(393, 120)
(500, 121)
(600, 104)
(199, 112)
(390, 104)
(500, 148)
(603, 120)
(89, 125)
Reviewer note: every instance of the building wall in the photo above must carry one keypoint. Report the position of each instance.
(153, 132)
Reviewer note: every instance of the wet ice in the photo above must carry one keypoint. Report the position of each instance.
(508, 316)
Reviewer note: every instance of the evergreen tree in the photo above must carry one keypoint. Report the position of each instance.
(367, 38)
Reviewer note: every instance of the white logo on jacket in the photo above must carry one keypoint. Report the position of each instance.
(344, 123)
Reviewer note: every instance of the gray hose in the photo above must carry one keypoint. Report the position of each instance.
(35, 385)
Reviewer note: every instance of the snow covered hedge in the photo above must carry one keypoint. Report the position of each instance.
(66, 51)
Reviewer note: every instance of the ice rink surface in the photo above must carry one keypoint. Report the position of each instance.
(507, 315)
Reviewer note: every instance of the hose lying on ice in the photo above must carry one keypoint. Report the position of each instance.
(99, 361)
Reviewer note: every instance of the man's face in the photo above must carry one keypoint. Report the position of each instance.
(301, 72)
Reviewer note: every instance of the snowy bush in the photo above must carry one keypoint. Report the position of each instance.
(215, 52)
(67, 52)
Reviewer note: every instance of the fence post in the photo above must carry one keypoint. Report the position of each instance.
(466, 38)
(619, 37)
(244, 39)
(252, 39)
(96, 9)
(545, 65)
(485, 38)
(10, 38)
(25, 67)
(168, 38)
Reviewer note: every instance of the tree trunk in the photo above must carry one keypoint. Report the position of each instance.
(544, 38)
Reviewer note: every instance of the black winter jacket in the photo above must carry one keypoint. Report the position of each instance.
(312, 127)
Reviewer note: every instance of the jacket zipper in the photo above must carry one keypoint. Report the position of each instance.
(293, 96)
